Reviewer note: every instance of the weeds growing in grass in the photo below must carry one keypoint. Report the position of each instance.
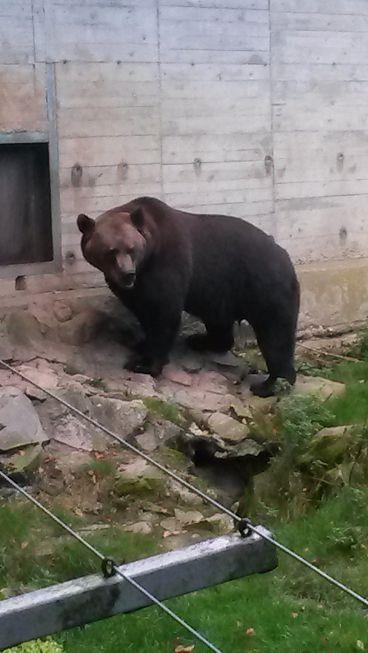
(47, 645)
(360, 348)
(300, 418)
(103, 468)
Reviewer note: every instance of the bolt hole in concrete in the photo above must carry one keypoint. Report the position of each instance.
(21, 283)
(70, 258)
(76, 175)
(343, 234)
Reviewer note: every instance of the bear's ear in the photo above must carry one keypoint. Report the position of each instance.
(137, 218)
(85, 224)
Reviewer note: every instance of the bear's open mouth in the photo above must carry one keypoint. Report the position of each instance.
(129, 281)
(129, 284)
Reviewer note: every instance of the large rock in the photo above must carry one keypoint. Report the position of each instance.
(43, 375)
(139, 479)
(123, 417)
(40, 372)
(62, 311)
(64, 427)
(131, 385)
(330, 445)
(24, 329)
(219, 524)
(147, 440)
(19, 422)
(82, 328)
(262, 405)
(183, 495)
(246, 448)
(141, 527)
(322, 388)
(228, 428)
(209, 391)
(78, 435)
(23, 461)
(158, 434)
(188, 517)
(196, 401)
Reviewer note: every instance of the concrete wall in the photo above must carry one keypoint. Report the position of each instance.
(257, 108)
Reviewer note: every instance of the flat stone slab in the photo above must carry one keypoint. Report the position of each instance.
(19, 423)
(329, 445)
(228, 428)
(323, 388)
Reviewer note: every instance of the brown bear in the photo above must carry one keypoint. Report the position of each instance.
(160, 261)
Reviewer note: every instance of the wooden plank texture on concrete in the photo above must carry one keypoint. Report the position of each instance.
(16, 32)
(101, 31)
(208, 33)
(23, 87)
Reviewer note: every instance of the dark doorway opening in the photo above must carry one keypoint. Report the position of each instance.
(25, 204)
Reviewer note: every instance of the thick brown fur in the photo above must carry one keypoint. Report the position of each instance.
(160, 261)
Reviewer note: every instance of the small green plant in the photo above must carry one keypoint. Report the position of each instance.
(344, 539)
(309, 369)
(300, 418)
(170, 412)
(38, 646)
(102, 468)
(360, 348)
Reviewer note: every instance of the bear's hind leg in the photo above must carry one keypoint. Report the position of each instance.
(277, 344)
(217, 339)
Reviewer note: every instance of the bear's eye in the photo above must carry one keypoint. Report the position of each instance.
(113, 251)
(130, 251)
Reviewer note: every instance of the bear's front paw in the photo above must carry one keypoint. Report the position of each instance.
(143, 365)
(132, 362)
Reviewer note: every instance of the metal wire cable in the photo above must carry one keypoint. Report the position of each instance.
(193, 488)
(117, 570)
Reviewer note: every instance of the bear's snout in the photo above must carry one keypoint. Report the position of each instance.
(124, 280)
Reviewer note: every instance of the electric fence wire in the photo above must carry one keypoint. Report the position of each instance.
(244, 524)
(110, 563)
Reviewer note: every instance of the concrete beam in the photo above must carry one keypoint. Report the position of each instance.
(167, 575)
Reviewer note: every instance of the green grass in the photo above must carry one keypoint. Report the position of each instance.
(102, 468)
(360, 348)
(290, 609)
(300, 417)
(24, 531)
(351, 408)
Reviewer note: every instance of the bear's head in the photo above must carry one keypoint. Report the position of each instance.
(116, 243)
